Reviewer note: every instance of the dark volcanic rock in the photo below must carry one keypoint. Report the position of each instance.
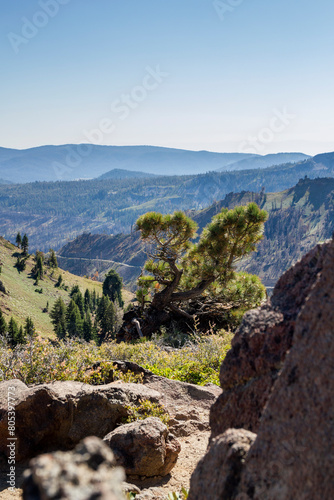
(59, 415)
(259, 348)
(218, 473)
(86, 473)
(144, 447)
(293, 455)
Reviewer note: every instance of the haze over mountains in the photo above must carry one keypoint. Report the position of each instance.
(87, 161)
(52, 213)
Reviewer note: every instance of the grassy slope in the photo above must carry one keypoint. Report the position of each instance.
(21, 299)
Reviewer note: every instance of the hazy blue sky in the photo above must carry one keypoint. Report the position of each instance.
(234, 75)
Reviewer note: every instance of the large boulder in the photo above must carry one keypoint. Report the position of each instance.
(260, 346)
(86, 473)
(144, 447)
(60, 414)
(293, 455)
(218, 473)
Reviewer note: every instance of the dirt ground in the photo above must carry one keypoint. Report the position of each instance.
(192, 449)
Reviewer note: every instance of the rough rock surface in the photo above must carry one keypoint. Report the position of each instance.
(218, 472)
(60, 414)
(144, 447)
(293, 455)
(86, 473)
(259, 348)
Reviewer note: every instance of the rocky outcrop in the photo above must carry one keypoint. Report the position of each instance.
(60, 414)
(218, 473)
(292, 456)
(260, 346)
(88, 472)
(144, 447)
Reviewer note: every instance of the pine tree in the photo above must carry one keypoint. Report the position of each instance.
(79, 300)
(29, 328)
(88, 300)
(25, 244)
(53, 259)
(38, 270)
(13, 332)
(59, 281)
(3, 324)
(87, 328)
(74, 321)
(112, 287)
(18, 240)
(21, 337)
(58, 317)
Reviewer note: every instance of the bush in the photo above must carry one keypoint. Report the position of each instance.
(41, 361)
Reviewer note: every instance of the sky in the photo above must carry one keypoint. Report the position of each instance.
(219, 75)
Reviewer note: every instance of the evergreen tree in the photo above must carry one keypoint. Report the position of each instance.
(58, 317)
(94, 302)
(38, 270)
(74, 321)
(13, 332)
(107, 320)
(79, 300)
(21, 337)
(3, 324)
(112, 287)
(25, 244)
(181, 271)
(29, 328)
(74, 289)
(88, 300)
(18, 240)
(87, 328)
(59, 281)
(53, 259)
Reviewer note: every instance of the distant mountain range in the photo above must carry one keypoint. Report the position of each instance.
(266, 161)
(52, 213)
(87, 161)
(118, 173)
(299, 218)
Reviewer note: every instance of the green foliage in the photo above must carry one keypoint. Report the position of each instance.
(41, 361)
(18, 240)
(182, 495)
(3, 324)
(112, 287)
(37, 270)
(29, 328)
(59, 281)
(181, 271)
(52, 259)
(58, 318)
(25, 244)
(144, 410)
(20, 264)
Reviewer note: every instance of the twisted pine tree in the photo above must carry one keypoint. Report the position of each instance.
(180, 270)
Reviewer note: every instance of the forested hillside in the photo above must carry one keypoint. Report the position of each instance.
(299, 218)
(56, 212)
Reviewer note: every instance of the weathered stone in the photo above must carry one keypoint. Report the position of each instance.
(59, 415)
(259, 348)
(86, 473)
(293, 455)
(218, 473)
(144, 447)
